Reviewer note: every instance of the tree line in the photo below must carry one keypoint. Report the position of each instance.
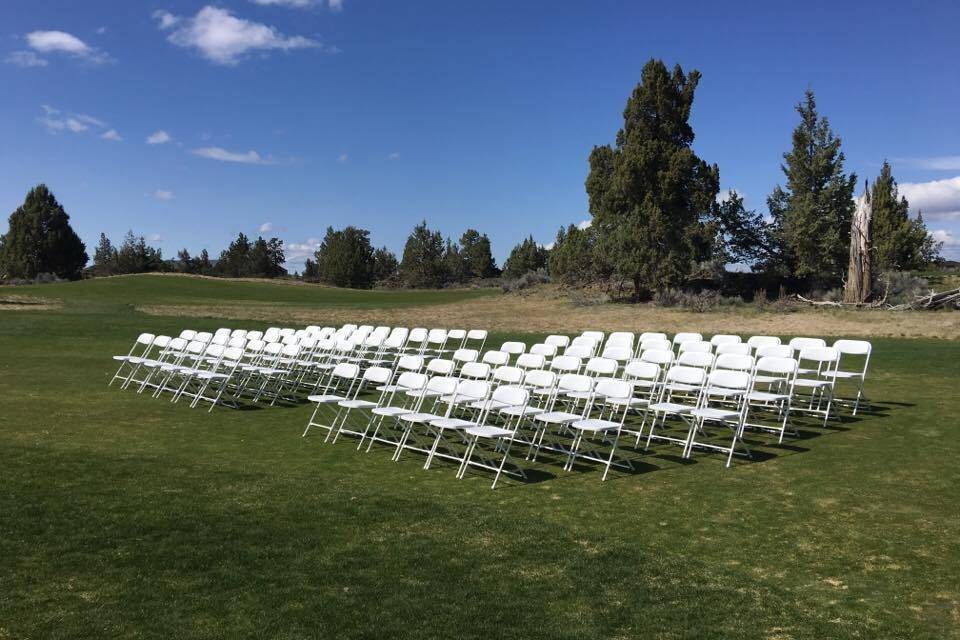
(656, 221)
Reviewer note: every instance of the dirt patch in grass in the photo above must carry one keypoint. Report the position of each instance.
(27, 303)
(549, 311)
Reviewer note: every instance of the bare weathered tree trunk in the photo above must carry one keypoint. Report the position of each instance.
(857, 288)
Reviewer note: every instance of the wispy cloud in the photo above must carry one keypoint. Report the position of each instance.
(162, 194)
(334, 5)
(56, 121)
(266, 227)
(951, 243)
(297, 252)
(394, 156)
(221, 154)
(937, 199)
(224, 39)
(61, 42)
(25, 59)
(159, 137)
(933, 163)
(342, 158)
(155, 237)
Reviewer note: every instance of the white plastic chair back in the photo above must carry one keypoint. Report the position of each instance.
(530, 361)
(735, 348)
(558, 341)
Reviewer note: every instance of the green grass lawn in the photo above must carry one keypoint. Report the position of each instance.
(123, 516)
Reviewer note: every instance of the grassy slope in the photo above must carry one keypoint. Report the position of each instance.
(124, 516)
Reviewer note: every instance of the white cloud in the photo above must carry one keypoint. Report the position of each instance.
(584, 224)
(155, 237)
(266, 227)
(159, 137)
(934, 163)
(549, 246)
(946, 237)
(57, 121)
(937, 199)
(342, 158)
(111, 135)
(218, 153)
(298, 4)
(297, 252)
(394, 156)
(163, 194)
(101, 31)
(65, 43)
(25, 59)
(224, 39)
(335, 5)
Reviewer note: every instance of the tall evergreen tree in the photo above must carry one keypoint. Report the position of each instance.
(135, 256)
(477, 256)
(454, 263)
(386, 267)
(203, 265)
(649, 193)
(810, 230)
(899, 241)
(185, 263)
(41, 240)
(105, 257)
(310, 271)
(740, 233)
(573, 257)
(345, 258)
(524, 257)
(234, 261)
(423, 265)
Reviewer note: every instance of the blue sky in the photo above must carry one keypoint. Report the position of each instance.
(191, 121)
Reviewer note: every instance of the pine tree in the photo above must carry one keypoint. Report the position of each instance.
(740, 233)
(648, 194)
(899, 242)
(345, 258)
(573, 257)
(423, 266)
(234, 261)
(310, 271)
(185, 264)
(526, 256)
(203, 265)
(477, 256)
(454, 263)
(385, 266)
(105, 257)
(41, 240)
(135, 256)
(810, 231)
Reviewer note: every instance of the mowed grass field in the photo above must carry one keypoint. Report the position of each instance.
(123, 516)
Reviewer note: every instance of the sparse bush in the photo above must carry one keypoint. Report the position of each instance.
(900, 287)
(700, 301)
(527, 280)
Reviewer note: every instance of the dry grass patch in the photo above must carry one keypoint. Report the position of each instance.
(548, 311)
(27, 303)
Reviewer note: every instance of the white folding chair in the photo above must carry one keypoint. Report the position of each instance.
(347, 373)
(723, 402)
(756, 342)
(776, 401)
(560, 342)
(502, 435)
(375, 377)
(685, 336)
(613, 399)
(821, 384)
(856, 349)
(725, 338)
(531, 361)
(686, 382)
(733, 348)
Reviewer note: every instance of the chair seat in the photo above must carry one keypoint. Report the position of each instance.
(124, 358)
(390, 411)
(357, 404)
(846, 375)
(325, 399)
(488, 404)
(767, 379)
(671, 407)
(419, 417)
(679, 386)
(810, 383)
(211, 375)
(592, 424)
(763, 396)
(152, 364)
(724, 392)
(712, 413)
(452, 423)
(633, 402)
(489, 431)
(580, 395)
(557, 417)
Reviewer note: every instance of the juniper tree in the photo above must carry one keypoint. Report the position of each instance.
(385, 266)
(740, 233)
(477, 256)
(345, 258)
(105, 257)
(41, 240)
(454, 263)
(234, 261)
(135, 256)
(573, 258)
(526, 256)
(899, 242)
(810, 229)
(423, 264)
(649, 192)
(203, 265)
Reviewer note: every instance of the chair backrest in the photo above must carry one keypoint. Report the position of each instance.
(187, 334)
(778, 366)
(725, 338)
(410, 363)
(825, 358)
(176, 345)
(575, 382)
(800, 344)
(566, 363)
(255, 346)
(513, 348)
(540, 379)
(584, 342)
(737, 348)
(853, 347)
(232, 355)
(195, 347)
(657, 356)
(290, 350)
(686, 336)
(695, 359)
(395, 340)
(508, 375)
(220, 339)
(346, 370)
(530, 361)
(475, 389)
(686, 375)
(775, 351)
(222, 331)
(639, 370)
(214, 350)
(477, 334)
(649, 335)
(478, 370)
(762, 341)
(734, 362)
(596, 336)
(417, 335)
(161, 341)
(254, 335)
(437, 336)
(699, 347)
(544, 349)
(412, 381)
(238, 333)
(655, 344)
(511, 395)
(579, 351)
(440, 367)
(147, 338)
(272, 348)
(377, 375)
(620, 338)
(620, 353)
(496, 358)
(729, 379)
(614, 389)
(238, 342)
(465, 355)
(457, 335)
(444, 385)
(601, 366)
(558, 341)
